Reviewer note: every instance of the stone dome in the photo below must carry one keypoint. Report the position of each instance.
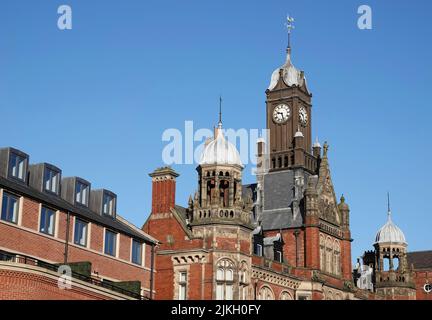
(290, 74)
(390, 233)
(220, 151)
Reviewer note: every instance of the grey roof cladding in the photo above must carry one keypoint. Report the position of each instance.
(280, 219)
(63, 205)
(420, 259)
(278, 190)
(278, 196)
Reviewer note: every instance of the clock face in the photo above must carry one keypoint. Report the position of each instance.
(281, 113)
(303, 116)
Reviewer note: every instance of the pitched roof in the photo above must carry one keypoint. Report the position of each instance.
(420, 259)
(81, 212)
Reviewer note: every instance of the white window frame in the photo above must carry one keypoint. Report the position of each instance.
(41, 206)
(182, 285)
(87, 238)
(116, 243)
(18, 211)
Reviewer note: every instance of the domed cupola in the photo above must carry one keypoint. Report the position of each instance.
(390, 232)
(220, 151)
(291, 76)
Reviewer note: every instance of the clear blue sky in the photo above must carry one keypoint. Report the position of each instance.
(95, 100)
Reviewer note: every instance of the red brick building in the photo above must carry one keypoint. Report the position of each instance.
(47, 222)
(285, 236)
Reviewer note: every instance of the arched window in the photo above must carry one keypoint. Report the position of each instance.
(243, 281)
(224, 279)
(322, 252)
(285, 295)
(336, 267)
(329, 255)
(265, 293)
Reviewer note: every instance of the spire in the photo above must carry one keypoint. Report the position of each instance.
(220, 113)
(289, 25)
(388, 207)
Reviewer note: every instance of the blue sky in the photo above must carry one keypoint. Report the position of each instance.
(96, 99)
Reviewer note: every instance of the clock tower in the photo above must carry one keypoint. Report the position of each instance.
(289, 119)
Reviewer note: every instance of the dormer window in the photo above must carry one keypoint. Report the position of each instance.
(17, 166)
(51, 180)
(108, 205)
(82, 193)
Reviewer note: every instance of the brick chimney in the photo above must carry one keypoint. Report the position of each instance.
(163, 189)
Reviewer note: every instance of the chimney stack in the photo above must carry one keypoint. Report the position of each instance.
(163, 189)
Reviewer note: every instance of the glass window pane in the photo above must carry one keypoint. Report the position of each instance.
(220, 274)
(136, 252)
(84, 195)
(9, 210)
(21, 168)
(110, 243)
(78, 193)
(219, 292)
(51, 222)
(47, 221)
(182, 292)
(229, 275)
(12, 165)
(13, 205)
(47, 180)
(183, 277)
(229, 292)
(54, 183)
(4, 207)
(80, 232)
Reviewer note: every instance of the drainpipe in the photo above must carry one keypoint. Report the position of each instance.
(67, 238)
(152, 271)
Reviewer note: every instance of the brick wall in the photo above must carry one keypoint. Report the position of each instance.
(24, 238)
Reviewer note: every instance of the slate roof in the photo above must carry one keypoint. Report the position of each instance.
(420, 259)
(278, 190)
(82, 212)
(278, 201)
(280, 219)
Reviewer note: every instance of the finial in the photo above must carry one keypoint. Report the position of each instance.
(289, 25)
(388, 206)
(325, 147)
(317, 144)
(220, 112)
(342, 199)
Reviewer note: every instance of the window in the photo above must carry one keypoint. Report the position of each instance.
(258, 249)
(243, 281)
(136, 252)
(80, 232)
(265, 293)
(81, 193)
(224, 280)
(110, 243)
(182, 285)
(278, 256)
(108, 205)
(17, 166)
(51, 180)
(9, 208)
(47, 221)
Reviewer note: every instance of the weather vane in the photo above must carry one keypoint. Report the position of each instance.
(289, 24)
